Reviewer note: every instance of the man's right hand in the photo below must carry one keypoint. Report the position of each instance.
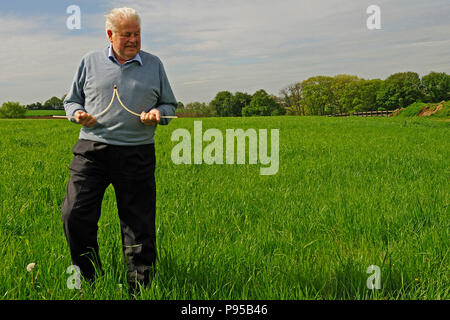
(85, 119)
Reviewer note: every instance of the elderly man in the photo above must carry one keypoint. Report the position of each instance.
(116, 147)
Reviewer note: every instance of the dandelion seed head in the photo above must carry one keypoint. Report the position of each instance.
(31, 266)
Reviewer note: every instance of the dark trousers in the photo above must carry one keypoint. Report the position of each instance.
(131, 170)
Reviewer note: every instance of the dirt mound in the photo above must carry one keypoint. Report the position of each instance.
(426, 111)
(396, 111)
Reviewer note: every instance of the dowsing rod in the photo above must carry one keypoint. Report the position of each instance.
(115, 93)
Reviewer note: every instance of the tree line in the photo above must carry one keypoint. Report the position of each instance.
(226, 104)
(318, 95)
(324, 95)
(54, 103)
(12, 109)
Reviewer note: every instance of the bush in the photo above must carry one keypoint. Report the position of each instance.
(12, 110)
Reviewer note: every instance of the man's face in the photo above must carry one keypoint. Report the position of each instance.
(126, 40)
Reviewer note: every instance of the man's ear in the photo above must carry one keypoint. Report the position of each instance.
(109, 34)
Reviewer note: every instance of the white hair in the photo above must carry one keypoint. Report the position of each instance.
(117, 14)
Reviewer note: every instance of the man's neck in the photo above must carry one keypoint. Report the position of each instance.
(119, 59)
(113, 55)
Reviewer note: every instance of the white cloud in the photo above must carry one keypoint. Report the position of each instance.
(38, 62)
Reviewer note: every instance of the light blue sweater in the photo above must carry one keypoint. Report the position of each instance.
(141, 87)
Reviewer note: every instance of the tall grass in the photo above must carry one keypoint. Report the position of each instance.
(37, 113)
(350, 192)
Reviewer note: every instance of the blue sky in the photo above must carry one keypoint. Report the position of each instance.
(213, 45)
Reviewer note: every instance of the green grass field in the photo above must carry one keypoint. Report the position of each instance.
(349, 193)
(38, 113)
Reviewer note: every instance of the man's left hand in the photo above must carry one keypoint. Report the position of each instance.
(151, 118)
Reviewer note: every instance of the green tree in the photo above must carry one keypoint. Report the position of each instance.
(291, 99)
(368, 95)
(361, 95)
(238, 102)
(12, 110)
(399, 91)
(199, 109)
(436, 86)
(222, 103)
(54, 103)
(263, 104)
(34, 106)
(194, 105)
(318, 95)
(338, 88)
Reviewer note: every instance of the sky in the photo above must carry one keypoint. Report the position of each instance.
(208, 46)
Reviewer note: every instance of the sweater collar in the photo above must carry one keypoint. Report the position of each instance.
(113, 58)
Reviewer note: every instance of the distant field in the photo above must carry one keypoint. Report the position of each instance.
(37, 113)
(349, 193)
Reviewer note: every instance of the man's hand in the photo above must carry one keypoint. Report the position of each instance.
(85, 119)
(151, 118)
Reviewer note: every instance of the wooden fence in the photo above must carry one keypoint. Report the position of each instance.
(385, 113)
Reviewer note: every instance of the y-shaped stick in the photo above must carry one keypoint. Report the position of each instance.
(115, 93)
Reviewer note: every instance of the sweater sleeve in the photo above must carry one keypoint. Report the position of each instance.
(74, 100)
(167, 104)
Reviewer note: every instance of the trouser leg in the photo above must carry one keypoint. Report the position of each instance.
(136, 200)
(81, 210)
